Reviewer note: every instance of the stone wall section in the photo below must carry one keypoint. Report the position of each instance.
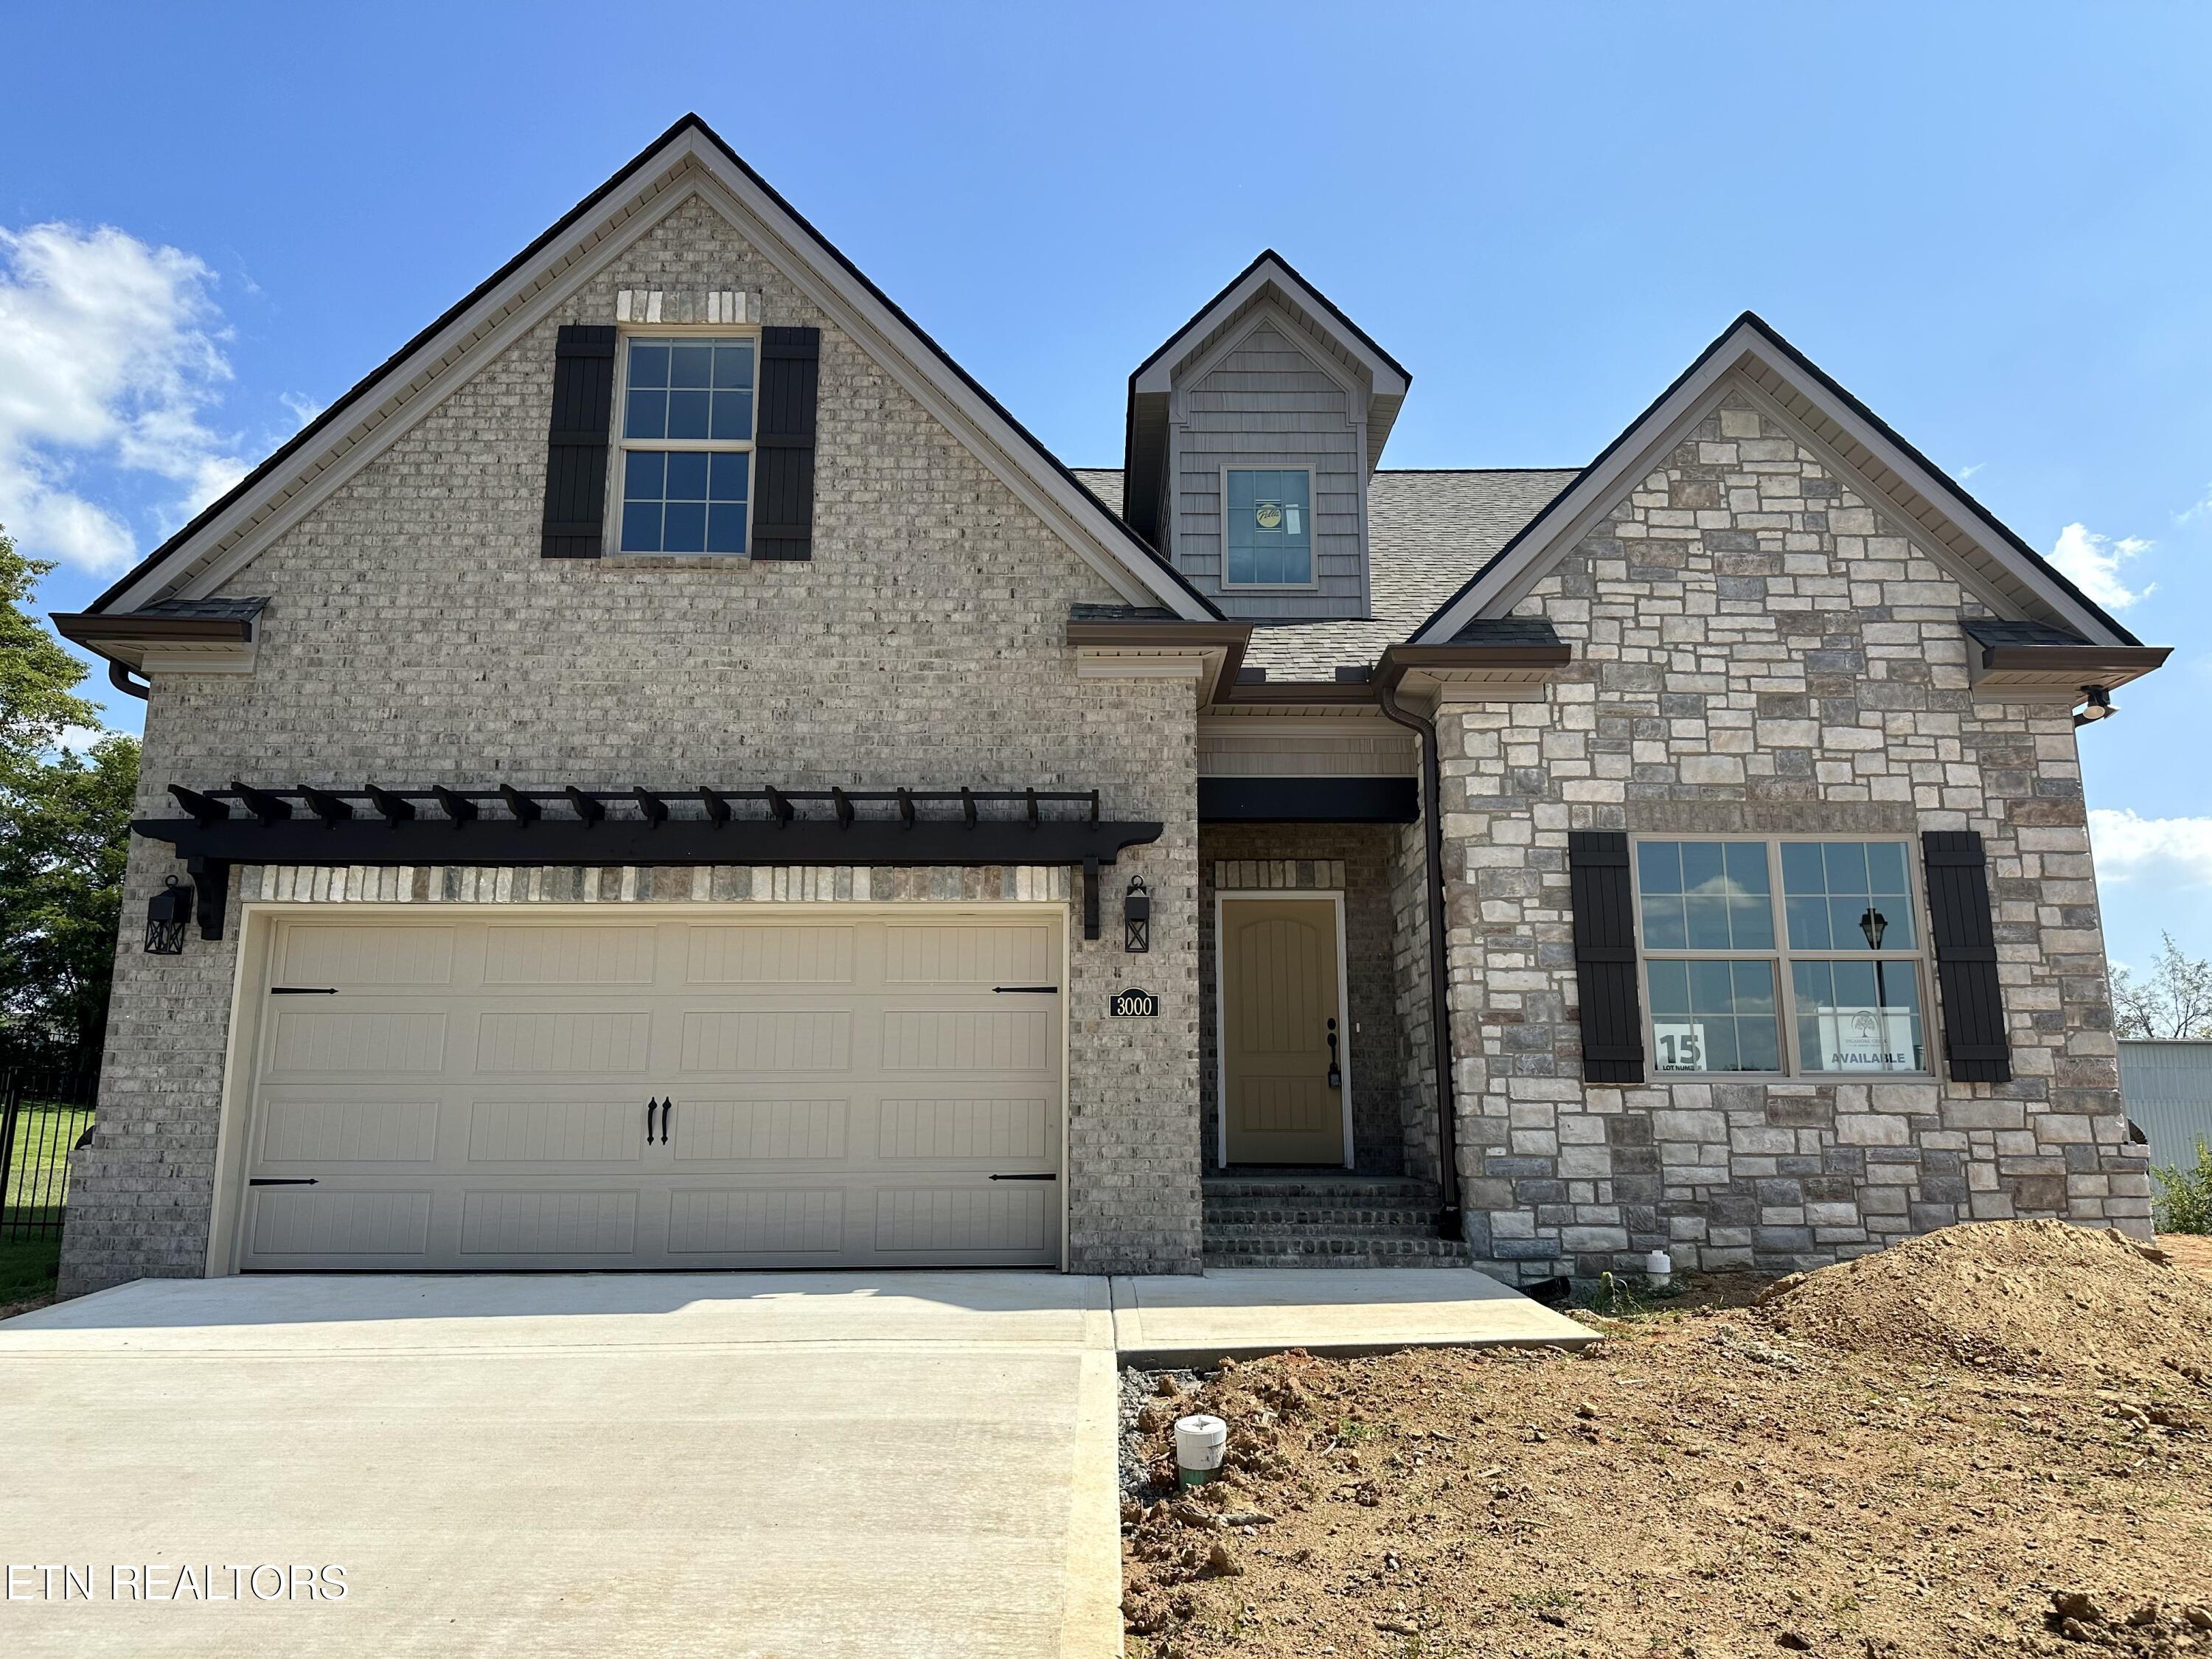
(1758, 651)
(415, 636)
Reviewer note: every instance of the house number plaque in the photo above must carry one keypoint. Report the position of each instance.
(1124, 1005)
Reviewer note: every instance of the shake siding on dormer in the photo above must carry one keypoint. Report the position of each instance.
(1265, 401)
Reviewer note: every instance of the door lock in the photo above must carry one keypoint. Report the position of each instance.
(1335, 1071)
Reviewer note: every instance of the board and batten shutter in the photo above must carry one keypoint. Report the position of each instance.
(783, 485)
(1960, 925)
(1604, 955)
(576, 444)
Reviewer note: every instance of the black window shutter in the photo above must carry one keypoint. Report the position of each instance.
(576, 445)
(1604, 955)
(783, 485)
(1966, 957)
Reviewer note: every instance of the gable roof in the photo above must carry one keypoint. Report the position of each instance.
(690, 157)
(2000, 568)
(1269, 279)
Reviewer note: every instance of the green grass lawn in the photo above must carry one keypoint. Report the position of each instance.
(35, 1188)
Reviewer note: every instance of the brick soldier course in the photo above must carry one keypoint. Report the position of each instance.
(1757, 640)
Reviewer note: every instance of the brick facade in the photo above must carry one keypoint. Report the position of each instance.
(414, 635)
(1757, 651)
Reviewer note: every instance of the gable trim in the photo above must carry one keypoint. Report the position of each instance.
(548, 270)
(1763, 361)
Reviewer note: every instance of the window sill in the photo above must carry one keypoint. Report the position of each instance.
(1657, 1076)
(678, 561)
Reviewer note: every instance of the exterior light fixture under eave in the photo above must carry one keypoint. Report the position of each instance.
(166, 913)
(2097, 705)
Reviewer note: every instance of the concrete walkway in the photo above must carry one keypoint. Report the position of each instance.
(808, 1466)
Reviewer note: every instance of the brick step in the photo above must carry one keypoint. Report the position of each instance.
(1347, 1217)
(1375, 1190)
(1344, 1253)
(1267, 1226)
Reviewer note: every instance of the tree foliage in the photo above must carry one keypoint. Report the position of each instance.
(2174, 1000)
(2184, 1197)
(64, 835)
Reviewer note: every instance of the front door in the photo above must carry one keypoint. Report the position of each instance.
(1284, 1052)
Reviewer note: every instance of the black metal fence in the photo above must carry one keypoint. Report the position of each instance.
(44, 1116)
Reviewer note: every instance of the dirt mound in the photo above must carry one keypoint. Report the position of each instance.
(2012, 1296)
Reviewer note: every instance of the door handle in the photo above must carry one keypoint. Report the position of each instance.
(1335, 1071)
(282, 1180)
(1048, 1176)
(667, 1110)
(651, 1106)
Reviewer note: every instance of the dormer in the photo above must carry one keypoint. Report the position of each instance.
(1252, 434)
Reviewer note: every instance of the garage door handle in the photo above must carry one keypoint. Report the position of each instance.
(282, 1180)
(651, 1106)
(1026, 990)
(1026, 1177)
(303, 990)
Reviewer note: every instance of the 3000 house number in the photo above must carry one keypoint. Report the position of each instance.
(1124, 1005)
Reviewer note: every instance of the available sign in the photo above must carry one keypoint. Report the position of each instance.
(1867, 1040)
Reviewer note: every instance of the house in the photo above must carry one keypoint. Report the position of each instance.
(667, 772)
(2167, 1085)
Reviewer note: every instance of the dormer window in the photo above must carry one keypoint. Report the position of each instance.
(1270, 528)
(685, 459)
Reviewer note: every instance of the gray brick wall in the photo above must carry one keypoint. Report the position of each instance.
(1756, 650)
(414, 635)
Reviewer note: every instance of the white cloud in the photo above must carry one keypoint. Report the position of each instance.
(111, 353)
(1966, 472)
(2091, 562)
(303, 408)
(2174, 851)
(80, 740)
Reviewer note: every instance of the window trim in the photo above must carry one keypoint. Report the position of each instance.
(1782, 955)
(1312, 584)
(618, 446)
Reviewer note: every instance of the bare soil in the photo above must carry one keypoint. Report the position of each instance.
(1996, 1440)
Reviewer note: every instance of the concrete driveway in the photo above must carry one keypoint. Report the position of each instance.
(804, 1466)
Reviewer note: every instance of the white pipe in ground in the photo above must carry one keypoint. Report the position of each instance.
(1200, 1443)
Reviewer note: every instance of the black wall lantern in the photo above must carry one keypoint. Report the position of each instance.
(1137, 917)
(166, 913)
(1874, 924)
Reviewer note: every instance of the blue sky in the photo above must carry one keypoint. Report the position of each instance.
(1989, 221)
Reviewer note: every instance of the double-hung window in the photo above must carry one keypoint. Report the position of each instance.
(1788, 956)
(1270, 528)
(685, 455)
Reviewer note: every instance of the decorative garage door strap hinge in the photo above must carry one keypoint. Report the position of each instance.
(573, 826)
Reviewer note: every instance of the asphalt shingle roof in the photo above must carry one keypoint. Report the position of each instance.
(1428, 532)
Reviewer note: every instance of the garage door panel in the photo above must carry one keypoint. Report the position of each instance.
(770, 956)
(841, 1092)
(757, 1221)
(738, 1131)
(1010, 1131)
(349, 956)
(348, 1129)
(333, 1041)
(946, 1221)
(967, 1040)
(507, 1221)
(967, 954)
(303, 1222)
(577, 1041)
(755, 1040)
(540, 955)
(597, 1132)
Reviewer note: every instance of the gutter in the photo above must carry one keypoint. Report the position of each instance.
(1450, 1223)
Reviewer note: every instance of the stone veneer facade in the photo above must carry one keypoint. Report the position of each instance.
(1756, 651)
(414, 635)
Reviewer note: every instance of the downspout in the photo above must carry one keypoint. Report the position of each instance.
(1449, 1220)
(119, 678)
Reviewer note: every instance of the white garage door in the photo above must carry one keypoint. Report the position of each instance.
(480, 1094)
